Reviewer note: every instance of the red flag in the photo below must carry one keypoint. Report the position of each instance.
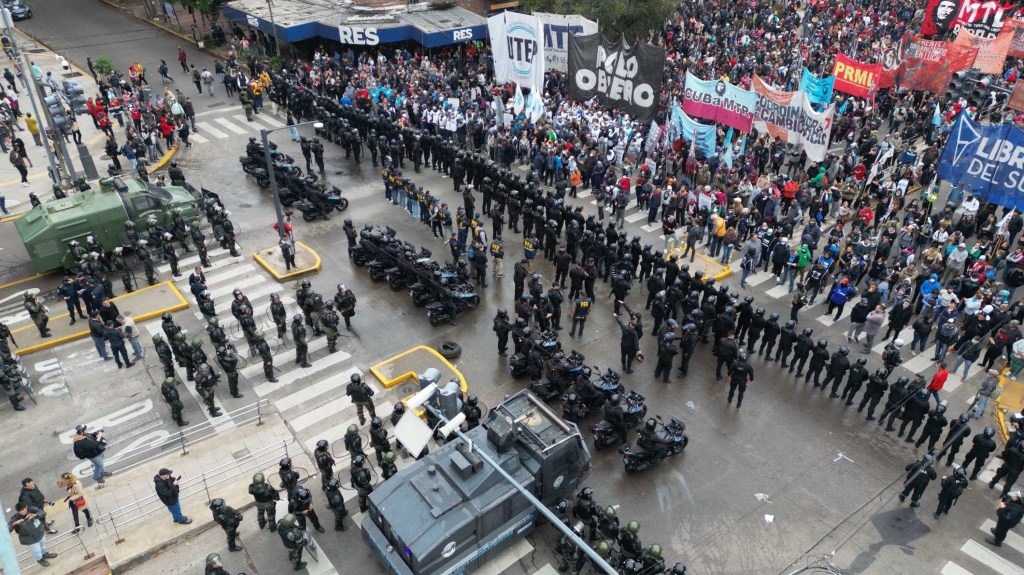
(853, 77)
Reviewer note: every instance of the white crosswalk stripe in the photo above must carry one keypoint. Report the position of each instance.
(231, 127)
(998, 560)
(208, 129)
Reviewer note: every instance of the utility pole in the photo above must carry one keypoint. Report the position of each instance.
(26, 71)
(273, 25)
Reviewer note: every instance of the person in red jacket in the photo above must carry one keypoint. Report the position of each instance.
(938, 380)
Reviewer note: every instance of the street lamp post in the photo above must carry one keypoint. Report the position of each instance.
(264, 133)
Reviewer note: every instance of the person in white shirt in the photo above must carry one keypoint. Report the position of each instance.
(970, 205)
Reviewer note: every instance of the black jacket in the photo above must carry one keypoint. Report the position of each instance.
(166, 490)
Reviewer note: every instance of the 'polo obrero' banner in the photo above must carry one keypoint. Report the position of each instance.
(789, 117)
(518, 47)
(986, 159)
(622, 77)
(720, 101)
(855, 78)
(928, 64)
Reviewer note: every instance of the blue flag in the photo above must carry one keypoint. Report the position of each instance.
(988, 160)
(819, 90)
(690, 130)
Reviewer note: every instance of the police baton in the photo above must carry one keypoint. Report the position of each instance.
(11, 335)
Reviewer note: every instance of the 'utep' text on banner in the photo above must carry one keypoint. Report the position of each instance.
(789, 117)
(557, 28)
(625, 78)
(518, 47)
(986, 159)
(720, 101)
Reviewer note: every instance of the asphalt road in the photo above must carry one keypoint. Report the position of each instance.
(756, 489)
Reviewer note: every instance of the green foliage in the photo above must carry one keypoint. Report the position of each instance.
(204, 6)
(635, 19)
(103, 66)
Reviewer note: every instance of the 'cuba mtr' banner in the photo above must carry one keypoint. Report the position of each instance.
(518, 46)
(987, 159)
(720, 101)
(622, 77)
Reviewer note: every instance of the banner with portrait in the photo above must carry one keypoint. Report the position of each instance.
(940, 16)
(819, 90)
(720, 101)
(890, 57)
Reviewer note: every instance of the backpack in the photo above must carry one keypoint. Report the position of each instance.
(958, 488)
(14, 157)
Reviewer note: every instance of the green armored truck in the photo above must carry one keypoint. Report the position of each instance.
(102, 213)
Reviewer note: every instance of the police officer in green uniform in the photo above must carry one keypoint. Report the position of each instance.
(336, 503)
(206, 384)
(324, 462)
(11, 387)
(214, 565)
(353, 441)
(266, 498)
(122, 268)
(360, 393)
(5, 334)
(379, 438)
(206, 306)
(217, 335)
(294, 539)
(314, 305)
(387, 466)
(163, 351)
(173, 400)
(362, 481)
(142, 253)
(228, 361)
(248, 325)
(37, 311)
(629, 542)
(268, 358)
(171, 254)
(199, 239)
(345, 301)
(279, 314)
(198, 355)
(301, 347)
(329, 326)
(229, 519)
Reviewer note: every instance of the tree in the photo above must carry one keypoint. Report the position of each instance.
(103, 66)
(636, 19)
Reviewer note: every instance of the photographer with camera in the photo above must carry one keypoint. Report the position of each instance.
(91, 446)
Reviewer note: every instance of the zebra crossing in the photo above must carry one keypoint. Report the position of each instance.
(1005, 560)
(221, 128)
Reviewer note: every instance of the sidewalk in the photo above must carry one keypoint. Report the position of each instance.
(39, 180)
(146, 529)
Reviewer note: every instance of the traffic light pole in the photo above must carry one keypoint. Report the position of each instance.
(26, 71)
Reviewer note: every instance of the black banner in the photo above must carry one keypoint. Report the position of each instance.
(624, 78)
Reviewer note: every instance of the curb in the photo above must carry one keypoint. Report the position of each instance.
(166, 158)
(189, 39)
(267, 252)
(388, 383)
(29, 278)
(710, 265)
(182, 304)
(1000, 416)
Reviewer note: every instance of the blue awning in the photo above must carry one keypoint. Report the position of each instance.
(296, 21)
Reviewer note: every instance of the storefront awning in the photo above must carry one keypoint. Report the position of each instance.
(297, 21)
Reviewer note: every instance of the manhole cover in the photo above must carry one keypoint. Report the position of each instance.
(35, 51)
(245, 205)
(218, 104)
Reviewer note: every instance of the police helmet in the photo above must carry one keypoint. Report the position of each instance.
(355, 378)
(376, 423)
(217, 503)
(808, 332)
(321, 444)
(258, 479)
(358, 461)
(844, 351)
(862, 361)
(285, 463)
(352, 430)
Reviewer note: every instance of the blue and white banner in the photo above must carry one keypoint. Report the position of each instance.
(988, 160)
(518, 47)
(819, 90)
(557, 28)
(689, 129)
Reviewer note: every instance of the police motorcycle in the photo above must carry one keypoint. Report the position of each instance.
(456, 300)
(409, 269)
(370, 242)
(657, 441)
(328, 201)
(633, 409)
(560, 373)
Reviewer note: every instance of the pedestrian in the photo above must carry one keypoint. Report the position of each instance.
(938, 380)
(91, 446)
(19, 159)
(1008, 515)
(115, 337)
(167, 490)
(287, 252)
(29, 523)
(75, 498)
(989, 390)
(131, 333)
(31, 495)
(32, 125)
(748, 265)
(182, 59)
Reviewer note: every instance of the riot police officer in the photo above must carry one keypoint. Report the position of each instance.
(10, 385)
(164, 353)
(279, 314)
(336, 503)
(362, 481)
(301, 506)
(301, 347)
(266, 357)
(229, 519)
(502, 328)
(739, 374)
(324, 462)
(170, 254)
(353, 441)
(379, 438)
(387, 466)
(801, 352)
(858, 374)
(629, 542)
(472, 411)
(266, 498)
(206, 306)
(586, 510)
(142, 253)
(123, 269)
(228, 361)
(329, 326)
(173, 400)
(37, 311)
(360, 392)
(294, 540)
(608, 524)
(289, 477)
(216, 333)
(240, 304)
(873, 392)
(819, 357)
(838, 365)
(206, 382)
(214, 565)
(199, 239)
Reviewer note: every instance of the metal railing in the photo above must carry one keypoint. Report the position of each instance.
(196, 486)
(62, 543)
(133, 457)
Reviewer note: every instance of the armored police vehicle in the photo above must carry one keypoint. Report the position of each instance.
(450, 512)
(102, 213)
